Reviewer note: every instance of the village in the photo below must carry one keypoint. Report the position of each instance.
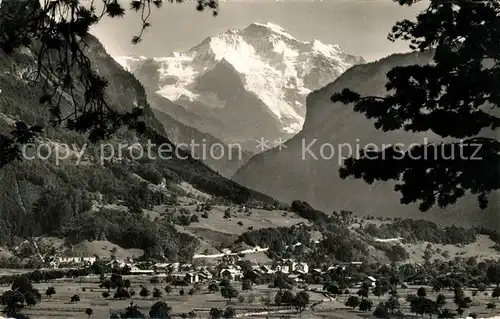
(228, 285)
(226, 265)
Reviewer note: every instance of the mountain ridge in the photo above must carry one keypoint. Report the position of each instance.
(290, 173)
(272, 71)
(43, 197)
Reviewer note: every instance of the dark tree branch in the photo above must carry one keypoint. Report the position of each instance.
(452, 97)
(57, 32)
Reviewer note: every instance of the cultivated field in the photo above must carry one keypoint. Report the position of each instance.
(59, 305)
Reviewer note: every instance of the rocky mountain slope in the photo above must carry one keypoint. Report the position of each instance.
(222, 158)
(245, 84)
(44, 197)
(296, 173)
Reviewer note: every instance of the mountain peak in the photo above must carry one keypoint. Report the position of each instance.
(270, 27)
(277, 72)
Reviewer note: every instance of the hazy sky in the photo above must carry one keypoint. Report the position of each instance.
(359, 27)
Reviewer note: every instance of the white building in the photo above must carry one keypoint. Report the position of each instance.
(372, 281)
(317, 271)
(302, 268)
(192, 277)
(266, 269)
(77, 260)
(205, 275)
(137, 271)
(119, 263)
(161, 266)
(174, 267)
(295, 278)
(282, 268)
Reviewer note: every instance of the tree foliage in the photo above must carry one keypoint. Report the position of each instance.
(352, 301)
(59, 33)
(493, 274)
(21, 293)
(160, 310)
(454, 97)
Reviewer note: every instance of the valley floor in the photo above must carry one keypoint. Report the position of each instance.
(59, 305)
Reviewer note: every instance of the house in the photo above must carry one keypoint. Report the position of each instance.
(295, 278)
(257, 272)
(372, 281)
(174, 267)
(282, 268)
(290, 263)
(161, 266)
(69, 260)
(317, 271)
(266, 269)
(230, 259)
(336, 267)
(205, 275)
(137, 271)
(191, 278)
(119, 264)
(230, 274)
(302, 268)
(77, 260)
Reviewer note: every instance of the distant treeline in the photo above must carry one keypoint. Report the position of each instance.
(38, 276)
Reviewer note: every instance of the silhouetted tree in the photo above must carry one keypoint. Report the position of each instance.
(496, 293)
(301, 301)
(144, 293)
(213, 287)
(422, 292)
(491, 306)
(59, 42)
(462, 35)
(168, 290)
(352, 301)
(229, 292)
(107, 283)
(132, 312)
(160, 310)
(157, 293)
(89, 312)
(121, 293)
(229, 312)
(50, 291)
(246, 285)
(216, 313)
(493, 274)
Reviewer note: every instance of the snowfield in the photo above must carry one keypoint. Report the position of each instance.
(274, 66)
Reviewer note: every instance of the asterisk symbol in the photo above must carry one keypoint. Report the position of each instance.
(280, 143)
(262, 144)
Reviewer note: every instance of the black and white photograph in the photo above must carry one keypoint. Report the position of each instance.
(335, 159)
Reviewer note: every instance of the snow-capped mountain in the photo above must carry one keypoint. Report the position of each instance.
(247, 83)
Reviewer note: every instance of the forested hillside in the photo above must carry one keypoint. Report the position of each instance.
(43, 197)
